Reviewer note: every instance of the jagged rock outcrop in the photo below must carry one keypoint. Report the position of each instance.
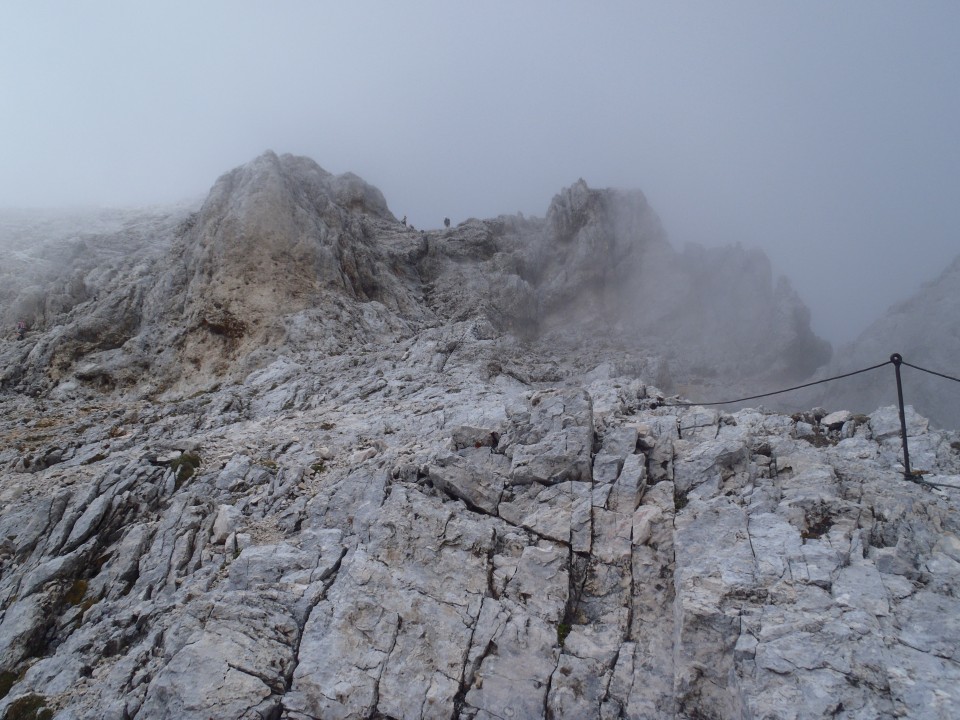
(925, 330)
(81, 293)
(181, 299)
(284, 254)
(404, 488)
(600, 265)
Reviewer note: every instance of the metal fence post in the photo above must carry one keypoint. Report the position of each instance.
(896, 359)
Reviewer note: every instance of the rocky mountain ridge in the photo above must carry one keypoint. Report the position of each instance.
(215, 292)
(404, 474)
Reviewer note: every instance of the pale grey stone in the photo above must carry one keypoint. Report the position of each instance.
(225, 524)
(466, 436)
(478, 489)
(58, 568)
(413, 501)
(560, 447)
(630, 485)
(577, 687)
(513, 678)
(558, 512)
(885, 422)
(836, 420)
(21, 629)
(541, 582)
(707, 463)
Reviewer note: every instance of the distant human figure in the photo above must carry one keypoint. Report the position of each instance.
(404, 220)
(21, 329)
(446, 222)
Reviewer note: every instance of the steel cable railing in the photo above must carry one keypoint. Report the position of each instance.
(896, 360)
(779, 392)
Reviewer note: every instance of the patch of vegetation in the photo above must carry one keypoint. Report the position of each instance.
(268, 463)
(100, 561)
(679, 500)
(225, 323)
(7, 680)
(76, 593)
(763, 449)
(184, 467)
(318, 467)
(29, 707)
(563, 629)
(817, 528)
(819, 440)
(76, 596)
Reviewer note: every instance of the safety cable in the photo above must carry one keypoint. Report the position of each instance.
(778, 392)
(932, 372)
(921, 481)
(896, 360)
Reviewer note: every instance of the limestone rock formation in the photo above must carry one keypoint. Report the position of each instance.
(385, 478)
(372, 536)
(283, 253)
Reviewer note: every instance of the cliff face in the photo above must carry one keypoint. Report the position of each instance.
(334, 467)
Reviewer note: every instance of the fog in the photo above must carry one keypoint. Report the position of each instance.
(824, 133)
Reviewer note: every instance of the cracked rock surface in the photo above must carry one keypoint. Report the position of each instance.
(354, 509)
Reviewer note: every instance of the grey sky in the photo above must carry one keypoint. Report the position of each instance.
(827, 133)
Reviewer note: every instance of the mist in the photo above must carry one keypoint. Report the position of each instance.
(825, 134)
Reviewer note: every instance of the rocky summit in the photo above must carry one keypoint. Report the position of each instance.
(280, 455)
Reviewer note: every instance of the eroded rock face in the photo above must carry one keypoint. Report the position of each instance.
(282, 254)
(372, 512)
(184, 297)
(600, 265)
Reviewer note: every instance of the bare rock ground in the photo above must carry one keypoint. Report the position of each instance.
(420, 495)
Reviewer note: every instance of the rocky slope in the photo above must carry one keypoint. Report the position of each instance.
(925, 330)
(431, 475)
(283, 253)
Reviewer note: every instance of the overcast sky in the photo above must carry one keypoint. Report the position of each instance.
(827, 133)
